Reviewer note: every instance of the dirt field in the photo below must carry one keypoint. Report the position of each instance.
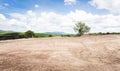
(86, 53)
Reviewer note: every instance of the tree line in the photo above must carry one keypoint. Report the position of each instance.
(80, 28)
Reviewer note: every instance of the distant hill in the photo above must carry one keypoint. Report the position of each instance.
(1, 31)
(5, 31)
(55, 32)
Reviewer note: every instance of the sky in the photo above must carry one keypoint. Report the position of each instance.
(59, 15)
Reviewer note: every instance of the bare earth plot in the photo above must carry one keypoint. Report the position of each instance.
(86, 53)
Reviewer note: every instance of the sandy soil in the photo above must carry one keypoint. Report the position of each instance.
(86, 53)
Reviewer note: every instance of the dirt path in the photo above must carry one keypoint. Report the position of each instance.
(86, 53)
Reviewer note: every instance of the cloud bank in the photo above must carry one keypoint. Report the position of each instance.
(54, 22)
(111, 5)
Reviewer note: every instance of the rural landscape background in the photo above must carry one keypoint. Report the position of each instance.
(59, 35)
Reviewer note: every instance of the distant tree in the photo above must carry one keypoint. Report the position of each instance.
(50, 35)
(108, 33)
(29, 34)
(81, 28)
(100, 33)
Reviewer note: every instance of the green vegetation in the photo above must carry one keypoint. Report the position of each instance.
(11, 35)
(29, 34)
(81, 28)
(107, 33)
(3, 32)
(67, 35)
(38, 35)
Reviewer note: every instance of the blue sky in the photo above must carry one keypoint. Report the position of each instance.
(47, 5)
(59, 13)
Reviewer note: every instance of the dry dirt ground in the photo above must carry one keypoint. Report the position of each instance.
(86, 53)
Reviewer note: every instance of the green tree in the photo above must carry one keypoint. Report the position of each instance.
(29, 34)
(81, 28)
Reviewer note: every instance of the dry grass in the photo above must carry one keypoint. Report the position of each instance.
(86, 53)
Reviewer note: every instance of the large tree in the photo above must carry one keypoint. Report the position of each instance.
(29, 34)
(81, 28)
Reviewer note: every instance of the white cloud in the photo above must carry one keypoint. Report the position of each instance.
(52, 22)
(70, 2)
(6, 4)
(2, 17)
(37, 6)
(112, 5)
(18, 16)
